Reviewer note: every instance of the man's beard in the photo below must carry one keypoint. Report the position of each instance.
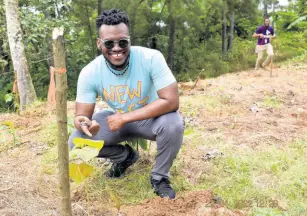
(119, 67)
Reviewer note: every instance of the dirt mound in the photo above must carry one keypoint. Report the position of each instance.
(199, 203)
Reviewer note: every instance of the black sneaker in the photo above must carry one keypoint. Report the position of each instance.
(118, 169)
(163, 188)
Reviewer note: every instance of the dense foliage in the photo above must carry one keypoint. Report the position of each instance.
(187, 32)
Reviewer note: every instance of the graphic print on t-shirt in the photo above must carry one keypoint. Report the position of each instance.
(119, 95)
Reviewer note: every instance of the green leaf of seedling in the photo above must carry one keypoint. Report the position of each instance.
(188, 131)
(79, 172)
(143, 144)
(8, 98)
(81, 143)
(10, 125)
(133, 143)
(85, 154)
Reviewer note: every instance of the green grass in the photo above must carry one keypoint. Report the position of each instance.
(193, 105)
(271, 102)
(133, 188)
(50, 161)
(267, 178)
(49, 133)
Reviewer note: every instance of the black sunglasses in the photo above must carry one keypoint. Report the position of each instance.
(122, 43)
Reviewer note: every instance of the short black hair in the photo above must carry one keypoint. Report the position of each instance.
(112, 17)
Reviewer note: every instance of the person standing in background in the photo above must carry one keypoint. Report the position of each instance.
(264, 34)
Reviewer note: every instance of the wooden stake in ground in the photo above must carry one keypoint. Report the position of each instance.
(61, 113)
(271, 72)
(197, 79)
(51, 90)
(275, 42)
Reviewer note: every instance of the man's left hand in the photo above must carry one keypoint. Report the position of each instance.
(115, 121)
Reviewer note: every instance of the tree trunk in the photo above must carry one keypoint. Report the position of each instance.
(154, 29)
(171, 38)
(224, 32)
(273, 7)
(265, 8)
(231, 33)
(49, 16)
(99, 7)
(61, 112)
(24, 81)
(171, 42)
(132, 20)
(99, 10)
(90, 31)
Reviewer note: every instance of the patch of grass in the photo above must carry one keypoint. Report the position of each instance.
(270, 177)
(49, 133)
(130, 189)
(266, 212)
(49, 161)
(37, 108)
(4, 145)
(211, 103)
(271, 102)
(135, 186)
(37, 103)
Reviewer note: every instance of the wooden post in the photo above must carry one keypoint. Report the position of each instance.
(51, 90)
(271, 72)
(61, 113)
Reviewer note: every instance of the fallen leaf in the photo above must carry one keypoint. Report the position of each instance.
(115, 199)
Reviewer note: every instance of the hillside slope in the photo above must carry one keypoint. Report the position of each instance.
(244, 146)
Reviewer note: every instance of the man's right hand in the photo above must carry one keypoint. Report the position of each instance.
(85, 125)
(261, 36)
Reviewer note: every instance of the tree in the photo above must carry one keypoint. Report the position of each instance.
(4, 55)
(99, 8)
(302, 6)
(135, 7)
(231, 32)
(265, 8)
(171, 37)
(25, 86)
(224, 31)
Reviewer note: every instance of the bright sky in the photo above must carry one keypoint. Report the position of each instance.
(283, 2)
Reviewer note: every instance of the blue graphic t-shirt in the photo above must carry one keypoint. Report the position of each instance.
(147, 73)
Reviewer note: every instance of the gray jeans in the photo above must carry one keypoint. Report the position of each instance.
(167, 130)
